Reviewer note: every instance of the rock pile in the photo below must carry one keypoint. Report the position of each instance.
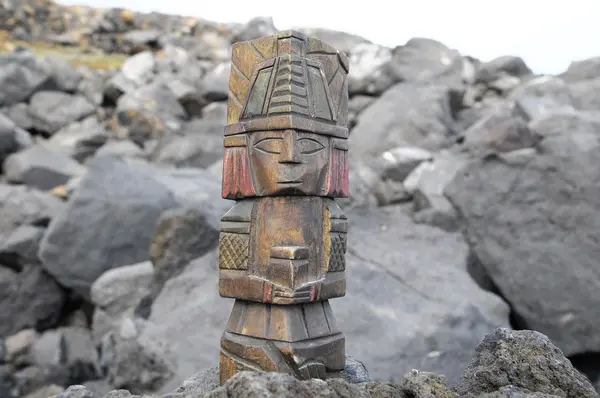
(474, 205)
(506, 364)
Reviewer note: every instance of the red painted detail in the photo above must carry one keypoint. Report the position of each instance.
(344, 180)
(237, 174)
(268, 292)
(314, 293)
(338, 184)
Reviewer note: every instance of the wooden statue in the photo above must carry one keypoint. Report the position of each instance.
(282, 245)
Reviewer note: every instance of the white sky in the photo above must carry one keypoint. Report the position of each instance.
(546, 34)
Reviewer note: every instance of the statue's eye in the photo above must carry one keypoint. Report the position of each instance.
(308, 146)
(269, 145)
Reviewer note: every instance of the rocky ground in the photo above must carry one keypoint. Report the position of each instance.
(475, 202)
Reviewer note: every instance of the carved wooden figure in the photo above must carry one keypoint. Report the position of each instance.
(282, 245)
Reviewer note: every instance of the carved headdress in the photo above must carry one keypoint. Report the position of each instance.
(288, 81)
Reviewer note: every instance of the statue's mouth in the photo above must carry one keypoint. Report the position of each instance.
(289, 182)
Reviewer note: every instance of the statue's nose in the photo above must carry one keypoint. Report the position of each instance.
(290, 152)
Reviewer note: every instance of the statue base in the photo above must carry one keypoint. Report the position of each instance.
(208, 379)
(301, 340)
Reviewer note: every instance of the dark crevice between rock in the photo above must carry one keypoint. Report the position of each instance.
(38, 133)
(480, 275)
(41, 222)
(455, 101)
(108, 102)
(144, 307)
(11, 261)
(588, 363)
(73, 304)
(517, 322)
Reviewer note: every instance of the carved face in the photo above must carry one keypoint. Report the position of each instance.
(288, 162)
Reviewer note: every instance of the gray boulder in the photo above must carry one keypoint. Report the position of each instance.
(356, 105)
(117, 85)
(29, 299)
(91, 85)
(409, 284)
(120, 288)
(132, 362)
(199, 144)
(525, 360)
(45, 392)
(21, 75)
(52, 110)
(122, 149)
(366, 75)
(138, 39)
(363, 187)
(531, 221)
(78, 391)
(12, 138)
(426, 183)
(542, 96)
(192, 187)
(79, 140)
(499, 67)
(32, 379)
(139, 68)
(20, 205)
(19, 115)
(255, 28)
(420, 384)
(215, 112)
(64, 74)
(407, 114)
(182, 234)
(586, 69)
(109, 222)
(569, 122)
(499, 131)
(20, 247)
(425, 60)
(189, 342)
(586, 94)
(149, 112)
(272, 385)
(116, 294)
(18, 346)
(342, 41)
(172, 59)
(216, 83)
(397, 163)
(40, 167)
(69, 350)
(390, 192)
(187, 93)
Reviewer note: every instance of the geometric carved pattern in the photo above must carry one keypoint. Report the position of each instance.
(233, 251)
(241, 367)
(337, 259)
(246, 55)
(289, 87)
